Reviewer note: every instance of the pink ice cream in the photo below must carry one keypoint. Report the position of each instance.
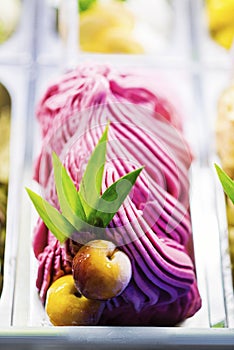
(153, 226)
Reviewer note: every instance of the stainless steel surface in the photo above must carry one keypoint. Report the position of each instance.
(117, 338)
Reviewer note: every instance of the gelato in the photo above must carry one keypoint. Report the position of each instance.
(225, 149)
(114, 26)
(225, 128)
(220, 14)
(153, 226)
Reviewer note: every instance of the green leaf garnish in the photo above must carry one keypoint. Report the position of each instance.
(91, 183)
(227, 182)
(220, 324)
(80, 210)
(114, 196)
(56, 222)
(85, 4)
(69, 199)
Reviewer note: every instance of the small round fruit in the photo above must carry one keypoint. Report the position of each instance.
(66, 307)
(100, 270)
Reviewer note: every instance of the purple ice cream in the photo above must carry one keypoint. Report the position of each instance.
(153, 227)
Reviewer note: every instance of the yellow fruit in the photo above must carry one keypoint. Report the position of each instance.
(100, 270)
(66, 307)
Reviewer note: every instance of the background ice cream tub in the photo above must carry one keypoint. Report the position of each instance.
(19, 17)
(173, 36)
(210, 51)
(217, 303)
(18, 90)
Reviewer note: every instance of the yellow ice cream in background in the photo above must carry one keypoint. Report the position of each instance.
(5, 105)
(230, 217)
(225, 149)
(225, 130)
(4, 144)
(115, 26)
(108, 28)
(220, 16)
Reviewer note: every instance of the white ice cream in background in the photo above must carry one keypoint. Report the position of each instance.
(153, 23)
(9, 17)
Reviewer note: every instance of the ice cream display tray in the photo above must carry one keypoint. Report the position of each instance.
(192, 65)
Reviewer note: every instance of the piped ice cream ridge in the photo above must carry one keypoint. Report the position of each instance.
(150, 234)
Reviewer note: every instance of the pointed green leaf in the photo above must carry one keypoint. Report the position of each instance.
(227, 182)
(86, 207)
(52, 218)
(220, 324)
(114, 196)
(85, 4)
(91, 182)
(69, 199)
